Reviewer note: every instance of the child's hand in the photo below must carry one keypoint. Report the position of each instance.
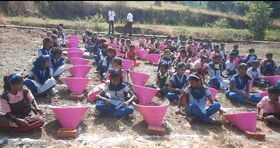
(125, 104)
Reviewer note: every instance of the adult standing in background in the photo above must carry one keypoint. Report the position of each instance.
(129, 20)
(111, 15)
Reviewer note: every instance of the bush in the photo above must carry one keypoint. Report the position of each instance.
(221, 23)
(97, 21)
(259, 19)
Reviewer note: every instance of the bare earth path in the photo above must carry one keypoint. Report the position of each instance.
(19, 47)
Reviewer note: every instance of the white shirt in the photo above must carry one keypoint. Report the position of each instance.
(111, 15)
(129, 17)
(254, 74)
(230, 65)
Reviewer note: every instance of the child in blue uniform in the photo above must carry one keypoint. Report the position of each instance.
(40, 80)
(106, 63)
(166, 58)
(250, 57)
(255, 74)
(115, 98)
(268, 65)
(196, 96)
(215, 76)
(163, 79)
(57, 62)
(238, 83)
(46, 49)
(230, 66)
(177, 82)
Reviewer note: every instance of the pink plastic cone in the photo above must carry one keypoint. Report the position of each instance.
(79, 61)
(92, 94)
(272, 79)
(79, 70)
(73, 49)
(141, 53)
(213, 93)
(153, 58)
(127, 64)
(153, 115)
(72, 43)
(139, 78)
(74, 54)
(144, 94)
(245, 121)
(73, 36)
(69, 117)
(76, 85)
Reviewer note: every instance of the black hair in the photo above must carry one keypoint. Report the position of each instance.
(273, 90)
(181, 64)
(115, 74)
(269, 54)
(56, 51)
(183, 51)
(117, 60)
(11, 80)
(165, 65)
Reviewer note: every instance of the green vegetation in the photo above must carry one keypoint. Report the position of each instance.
(258, 19)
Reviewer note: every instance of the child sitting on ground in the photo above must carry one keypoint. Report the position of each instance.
(106, 63)
(151, 46)
(269, 106)
(166, 58)
(163, 79)
(239, 87)
(195, 97)
(54, 40)
(130, 54)
(177, 82)
(142, 41)
(40, 80)
(256, 76)
(215, 77)
(268, 65)
(230, 67)
(115, 98)
(20, 107)
(46, 49)
(250, 57)
(199, 66)
(117, 66)
(57, 62)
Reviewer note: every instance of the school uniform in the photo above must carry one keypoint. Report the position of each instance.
(215, 77)
(268, 67)
(162, 82)
(250, 58)
(40, 81)
(44, 51)
(240, 83)
(165, 60)
(105, 63)
(230, 68)
(57, 66)
(197, 103)
(19, 105)
(117, 96)
(256, 75)
(178, 82)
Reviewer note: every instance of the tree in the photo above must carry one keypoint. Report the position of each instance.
(258, 19)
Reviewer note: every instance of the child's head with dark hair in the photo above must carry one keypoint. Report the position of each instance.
(47, 43)
(217, 58)
(256, 63)
(117, 63)
(195, 81)
(111, 52)
(167, 52)
(273, 93)
(181, 68)
(56, 52)
(251, 50)
(235, 47)
(132, 48)
(163, 68)
(128, 42)
(115, 78)
(13, 83)
(49, 33)
(269, 56)
(216, 48)
(42, 62)
(55, 32)
(183, 52)
(232, 56)
(242, 69)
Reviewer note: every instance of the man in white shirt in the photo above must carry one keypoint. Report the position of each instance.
(129, 20)
(111, 15)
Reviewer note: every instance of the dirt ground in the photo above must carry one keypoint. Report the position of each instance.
(19, 47)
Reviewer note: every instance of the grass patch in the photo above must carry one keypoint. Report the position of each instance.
(223, 34)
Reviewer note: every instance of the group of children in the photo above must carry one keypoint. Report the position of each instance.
(181, 77)
(22, 112)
